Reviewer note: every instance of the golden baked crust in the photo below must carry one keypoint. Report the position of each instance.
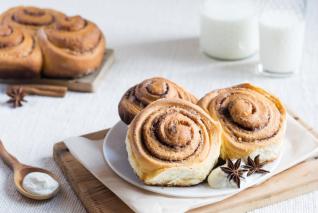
(20, 54)
(173, 142)
(72, 47)
(253, 121)
(29, 18)
(149, 90)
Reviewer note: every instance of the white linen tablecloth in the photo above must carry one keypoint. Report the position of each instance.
(150, 38)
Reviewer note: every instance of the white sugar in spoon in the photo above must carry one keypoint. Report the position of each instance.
(21, 171)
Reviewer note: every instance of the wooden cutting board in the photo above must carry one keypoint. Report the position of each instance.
(97, 198)
(87, 83)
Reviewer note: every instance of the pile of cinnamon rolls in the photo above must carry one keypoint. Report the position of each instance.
(36, 42)
(174, 139)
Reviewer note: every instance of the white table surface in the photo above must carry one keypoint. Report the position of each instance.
(150, 38)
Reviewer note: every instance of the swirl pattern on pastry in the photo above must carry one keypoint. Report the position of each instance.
(20, 54)
(29, 18)
(253, 121)
(173, 142)
(73, 47)
(149, 90)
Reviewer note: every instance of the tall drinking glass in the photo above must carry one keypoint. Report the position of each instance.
(281, 36)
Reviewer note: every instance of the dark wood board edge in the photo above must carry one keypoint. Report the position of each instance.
(96, 199)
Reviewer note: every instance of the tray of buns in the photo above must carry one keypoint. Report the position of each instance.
(45, 46)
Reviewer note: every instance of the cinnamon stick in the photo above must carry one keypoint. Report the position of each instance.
(41, 90)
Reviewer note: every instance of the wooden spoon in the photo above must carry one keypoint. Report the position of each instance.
(20, 171)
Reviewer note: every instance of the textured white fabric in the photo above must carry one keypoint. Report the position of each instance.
(150, 37)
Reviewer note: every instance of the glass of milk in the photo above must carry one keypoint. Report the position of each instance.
(229, 28)
(281, 36)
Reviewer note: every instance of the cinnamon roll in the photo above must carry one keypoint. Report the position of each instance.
(253, 121)
(29, 18)
(173, 142)
(20, 54)
(72, 47)
(142, 94)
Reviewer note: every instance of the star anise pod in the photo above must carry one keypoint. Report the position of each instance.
(234, 171)
(254, 166)
(16, 97)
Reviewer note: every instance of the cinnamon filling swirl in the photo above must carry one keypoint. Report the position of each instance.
(158, 88)
(14, 38)
(253, 121)
(148, 91)
(33, 16)
(173, 135)
(10, 37)
(73, 23)
(247, 115)
(154, 89)
(74, 34)
(20, 55)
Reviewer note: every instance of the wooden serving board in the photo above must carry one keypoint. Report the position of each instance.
(87, 83)
(97, 198)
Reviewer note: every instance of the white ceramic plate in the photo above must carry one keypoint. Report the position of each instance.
(115, 154)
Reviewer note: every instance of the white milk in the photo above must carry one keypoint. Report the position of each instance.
(281, 41)
(229, 29)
